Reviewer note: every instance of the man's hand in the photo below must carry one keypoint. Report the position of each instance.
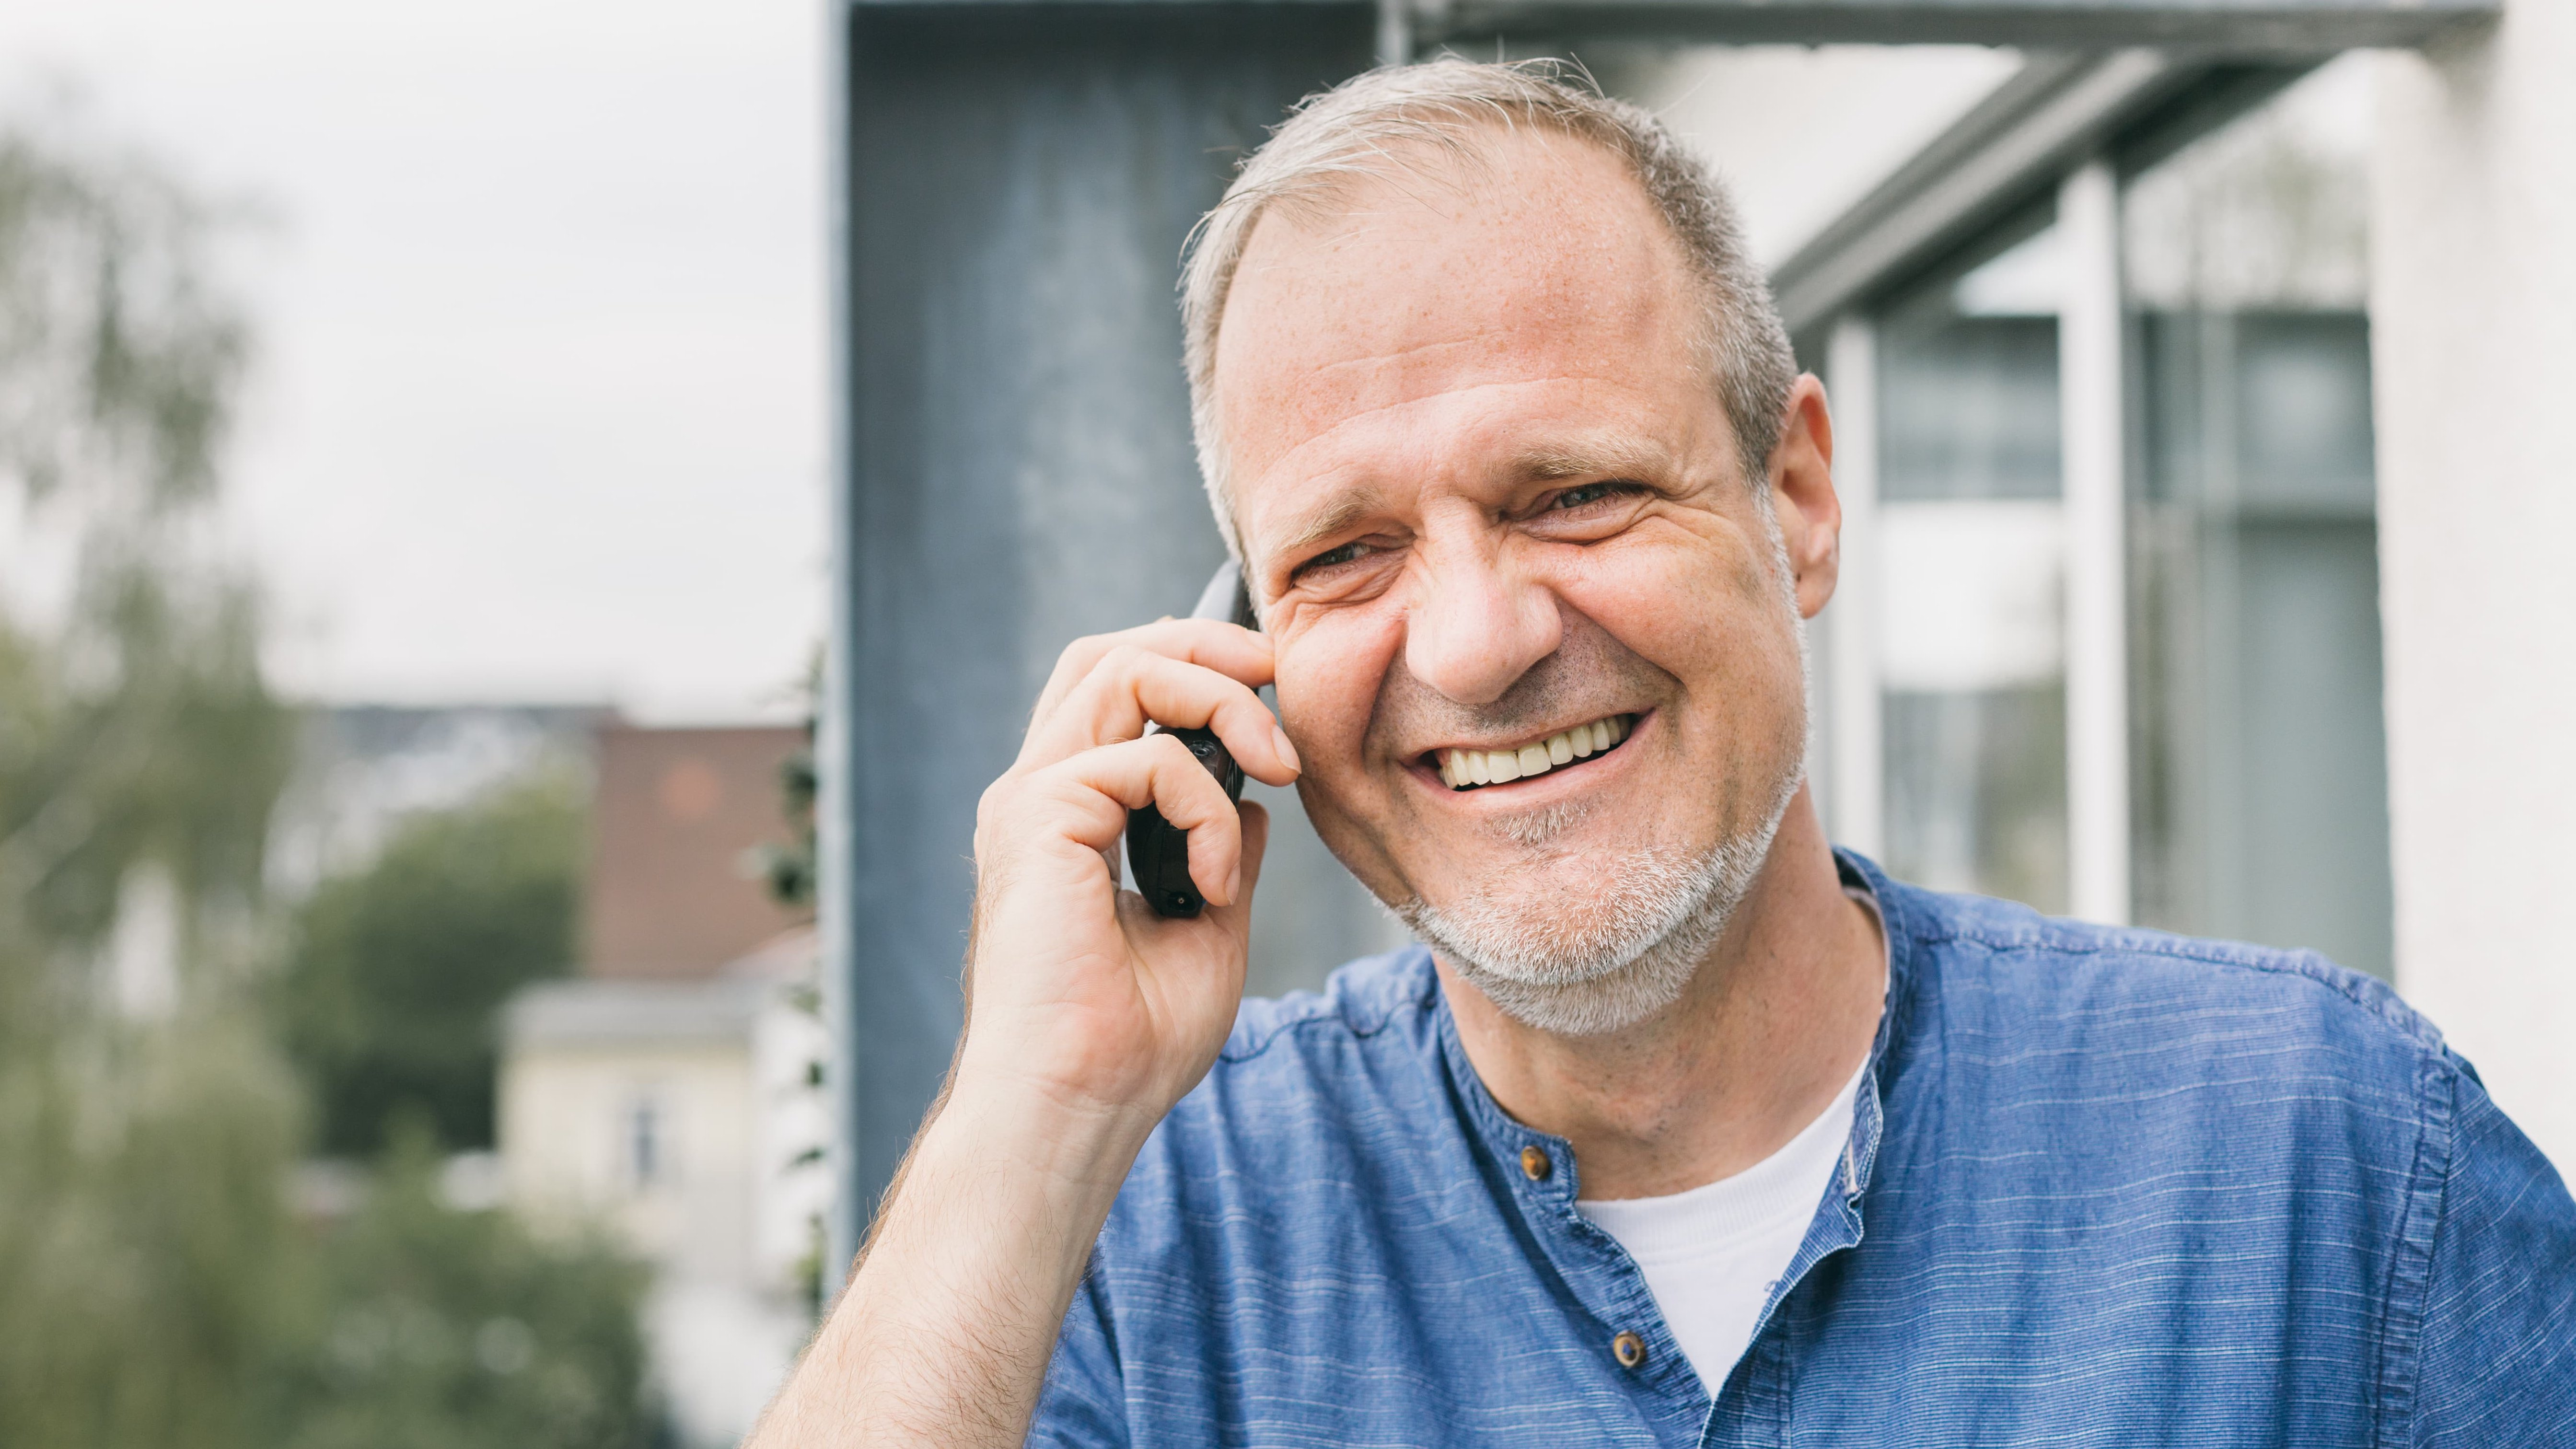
(1079, 996)
(1088, 1016)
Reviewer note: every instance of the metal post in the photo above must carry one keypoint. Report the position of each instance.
(1856, 798)
(1394, 32)
(1015, 453)
(2097, 664)
(832, 755)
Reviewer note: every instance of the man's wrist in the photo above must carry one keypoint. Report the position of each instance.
(1063, 1145)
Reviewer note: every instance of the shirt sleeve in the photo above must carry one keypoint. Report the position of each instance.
(1084, 1402)
(2498, 1364)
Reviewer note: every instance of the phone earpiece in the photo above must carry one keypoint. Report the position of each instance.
(1158, 852)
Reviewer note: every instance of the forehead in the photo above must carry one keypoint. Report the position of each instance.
(1537, 267)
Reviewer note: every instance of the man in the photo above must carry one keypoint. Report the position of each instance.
(1683, 1128)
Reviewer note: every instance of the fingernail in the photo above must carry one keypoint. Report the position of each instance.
(1234, 884)
(1287, 751)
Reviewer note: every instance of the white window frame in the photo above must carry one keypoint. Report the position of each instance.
(2060, 125)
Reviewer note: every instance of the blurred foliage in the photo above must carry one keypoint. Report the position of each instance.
(118, 353)
(391, 994)
(143, 1242)
(145, 1127)
(790, 869)
(445, 1329)
(155, 1288)
(135, 729)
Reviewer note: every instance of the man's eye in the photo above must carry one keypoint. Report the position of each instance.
(1351, 552)
(1583, 493)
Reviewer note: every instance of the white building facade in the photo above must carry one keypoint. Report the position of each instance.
(687, 1117)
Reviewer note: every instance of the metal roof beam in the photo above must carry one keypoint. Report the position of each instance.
(2007, 152)
(2239, 27)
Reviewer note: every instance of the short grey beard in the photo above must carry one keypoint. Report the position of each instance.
(1655, 919)
(1534, 829)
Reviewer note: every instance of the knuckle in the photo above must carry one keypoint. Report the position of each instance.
(1127, 661)
(998, 795)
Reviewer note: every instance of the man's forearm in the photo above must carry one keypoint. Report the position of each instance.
(944, 1334)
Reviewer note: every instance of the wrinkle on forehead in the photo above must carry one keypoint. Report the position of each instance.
(1411, 352)
(1557, 268)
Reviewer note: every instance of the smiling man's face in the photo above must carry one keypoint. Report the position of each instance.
(1492, 506)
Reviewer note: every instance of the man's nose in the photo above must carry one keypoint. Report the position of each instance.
(1475, 627)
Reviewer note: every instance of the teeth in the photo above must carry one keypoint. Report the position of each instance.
(1463, 769)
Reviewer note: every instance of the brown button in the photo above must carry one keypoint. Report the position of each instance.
(1535, 1163)
(1629, 1349)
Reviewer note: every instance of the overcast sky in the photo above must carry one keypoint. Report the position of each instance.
(540, 411)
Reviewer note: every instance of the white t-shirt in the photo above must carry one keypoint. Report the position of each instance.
(1710, 1255)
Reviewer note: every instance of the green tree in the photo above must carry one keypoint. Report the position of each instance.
(143, 1139)
(399, 969)
(155, 1292)
(444, 1329)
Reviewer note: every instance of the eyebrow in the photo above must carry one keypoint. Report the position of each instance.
(1347, 509)
(1607, 457)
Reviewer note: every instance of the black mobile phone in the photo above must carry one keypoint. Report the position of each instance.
(1158, 853)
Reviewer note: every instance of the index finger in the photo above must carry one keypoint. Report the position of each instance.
(1229, 649)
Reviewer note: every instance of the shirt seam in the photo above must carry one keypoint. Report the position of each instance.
(2402, 1303)
(1325, 1012)
(2389, 1013)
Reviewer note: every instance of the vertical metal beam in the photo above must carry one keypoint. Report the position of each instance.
(1856, 798)
(834, 755)
(1394, 32)
(1017, 459)
(2097, 669)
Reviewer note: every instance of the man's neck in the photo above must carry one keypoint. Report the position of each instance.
(1771, 1027)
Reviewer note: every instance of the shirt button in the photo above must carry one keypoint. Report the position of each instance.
(1534, 1162)
(1629, 1349)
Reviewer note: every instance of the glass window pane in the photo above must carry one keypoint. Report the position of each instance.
(2260, 773)
(1971, 562)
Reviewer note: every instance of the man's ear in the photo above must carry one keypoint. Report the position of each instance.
(1802, 494)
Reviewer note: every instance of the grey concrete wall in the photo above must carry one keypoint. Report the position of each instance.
(2473, 343)
(1020, 179)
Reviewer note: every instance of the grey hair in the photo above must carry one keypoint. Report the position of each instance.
(1366, 127)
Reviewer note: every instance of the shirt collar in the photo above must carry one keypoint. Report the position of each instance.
(1548, 1195)
(1508, 1137)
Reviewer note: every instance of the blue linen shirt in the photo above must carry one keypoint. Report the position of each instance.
(2103, 1187)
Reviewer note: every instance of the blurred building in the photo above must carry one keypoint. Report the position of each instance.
(2195, 369)
(673, 1088)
